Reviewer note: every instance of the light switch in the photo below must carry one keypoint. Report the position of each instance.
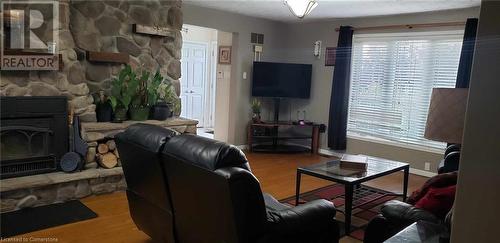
(244, 75)
(220, 75)
(258, 48)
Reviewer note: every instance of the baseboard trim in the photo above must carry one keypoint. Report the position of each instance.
(422, 172)
(242, 147)
(328, 152)
(339, 154)
(414, 171)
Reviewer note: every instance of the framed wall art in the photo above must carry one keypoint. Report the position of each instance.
(224, 55)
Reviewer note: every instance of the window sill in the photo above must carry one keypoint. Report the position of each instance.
(395, 144)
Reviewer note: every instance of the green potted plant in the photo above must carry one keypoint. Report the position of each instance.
(145, 96)
(123, 89)
(162, 110)
(256, 105)
(167, 94)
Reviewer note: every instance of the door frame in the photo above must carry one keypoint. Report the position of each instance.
(210, 119)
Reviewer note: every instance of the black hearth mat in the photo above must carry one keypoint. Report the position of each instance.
(32, 219)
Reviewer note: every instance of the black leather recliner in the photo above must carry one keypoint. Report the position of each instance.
(451, 159)
(147, 190)
(213, 196)
(395, 215)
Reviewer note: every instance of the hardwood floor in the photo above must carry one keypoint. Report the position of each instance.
(276, 173)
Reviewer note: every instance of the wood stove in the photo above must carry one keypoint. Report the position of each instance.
(33, 134)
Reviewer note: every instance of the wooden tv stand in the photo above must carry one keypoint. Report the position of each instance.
(269, 137)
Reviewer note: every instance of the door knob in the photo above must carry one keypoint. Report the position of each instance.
(191, 91)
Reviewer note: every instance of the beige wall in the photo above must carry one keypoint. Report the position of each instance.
(294, 43)
(241, 27)
(301, 37)
(416, 158)
(477, 212)
(198, 34)
(223, 89)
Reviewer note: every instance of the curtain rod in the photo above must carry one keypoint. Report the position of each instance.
(408, 26)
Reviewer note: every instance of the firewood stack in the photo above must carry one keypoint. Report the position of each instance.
(107, 155)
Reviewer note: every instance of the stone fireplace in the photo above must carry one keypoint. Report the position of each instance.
(33, 134)
(103, 26)
(98, 27)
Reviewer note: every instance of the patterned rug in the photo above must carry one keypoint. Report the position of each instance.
(367, 202)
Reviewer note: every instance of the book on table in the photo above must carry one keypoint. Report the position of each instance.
(354, 162)
(348, 165)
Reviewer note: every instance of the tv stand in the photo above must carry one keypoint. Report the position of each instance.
(270, 137)
(277, 102)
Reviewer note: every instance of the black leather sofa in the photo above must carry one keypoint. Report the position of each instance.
(185, 188)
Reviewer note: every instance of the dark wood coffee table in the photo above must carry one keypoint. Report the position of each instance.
(377, 167)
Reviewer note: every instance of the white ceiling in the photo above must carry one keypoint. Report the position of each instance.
(327, 9)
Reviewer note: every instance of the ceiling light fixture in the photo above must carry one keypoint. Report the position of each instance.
(301, 8)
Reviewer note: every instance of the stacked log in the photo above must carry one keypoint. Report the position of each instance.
(107, 154)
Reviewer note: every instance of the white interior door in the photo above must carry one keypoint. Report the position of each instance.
(194, 74)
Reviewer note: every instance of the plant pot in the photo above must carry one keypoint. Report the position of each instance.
(120, 114)
(139, 113)
(161, 111)
(256, 117)
(104, 112)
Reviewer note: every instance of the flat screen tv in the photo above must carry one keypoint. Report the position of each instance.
(281, 80)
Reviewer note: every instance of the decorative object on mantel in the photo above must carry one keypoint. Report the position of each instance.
(256, 105)
(224, 55)
(153, 30)
(103, 110)
(161, 111)
(330, 53)
(166, 102)
(110, 57)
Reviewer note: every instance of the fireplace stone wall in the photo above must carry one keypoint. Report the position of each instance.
(99, 26)
(102, 26)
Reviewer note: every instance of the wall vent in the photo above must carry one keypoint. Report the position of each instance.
(257, 38)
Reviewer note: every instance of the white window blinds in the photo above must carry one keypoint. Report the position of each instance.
(392, 76)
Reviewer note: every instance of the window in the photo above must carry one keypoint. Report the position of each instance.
(392, 77)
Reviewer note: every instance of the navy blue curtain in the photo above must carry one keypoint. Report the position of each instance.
(339, 101)
(465, 65)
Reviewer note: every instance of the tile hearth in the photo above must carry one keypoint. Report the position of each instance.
(43, 189)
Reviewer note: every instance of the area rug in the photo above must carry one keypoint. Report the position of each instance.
(369, 199)
(32, 219)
